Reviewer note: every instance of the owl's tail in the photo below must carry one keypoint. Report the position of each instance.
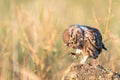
(104, 47)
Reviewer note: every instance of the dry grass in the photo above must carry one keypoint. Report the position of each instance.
(31, 46)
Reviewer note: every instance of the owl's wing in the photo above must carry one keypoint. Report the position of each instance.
(94, 38)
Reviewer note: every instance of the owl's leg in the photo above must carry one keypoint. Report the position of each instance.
(84, 60)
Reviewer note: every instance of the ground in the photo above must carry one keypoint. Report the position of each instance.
(88, 71)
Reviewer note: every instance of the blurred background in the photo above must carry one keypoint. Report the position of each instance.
(31, 46)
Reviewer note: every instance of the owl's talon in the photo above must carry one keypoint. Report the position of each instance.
(74, 55)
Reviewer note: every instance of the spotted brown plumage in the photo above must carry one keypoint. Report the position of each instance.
(85, 40)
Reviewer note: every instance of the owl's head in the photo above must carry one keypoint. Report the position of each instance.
(72, 36)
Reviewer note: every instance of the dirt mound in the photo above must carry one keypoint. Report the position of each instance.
(89, 72)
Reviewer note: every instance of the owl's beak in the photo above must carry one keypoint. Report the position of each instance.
(66, 44)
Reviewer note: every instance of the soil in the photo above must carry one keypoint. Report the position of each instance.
(88, 71)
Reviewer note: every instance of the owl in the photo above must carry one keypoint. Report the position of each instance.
(86, 40)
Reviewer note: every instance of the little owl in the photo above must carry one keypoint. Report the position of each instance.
(86, 40)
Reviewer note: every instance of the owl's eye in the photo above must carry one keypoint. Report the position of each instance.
(71, 41)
